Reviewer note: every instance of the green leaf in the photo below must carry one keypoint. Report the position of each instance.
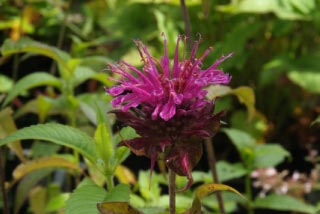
(228, 171)
(27, 45)
(59, 134)
(103, 138)
(244, 143)
(308, 80)
(31, 81)
(120, 193)
(240, 139)
(269, 155)
(283, 203)
(85, 198)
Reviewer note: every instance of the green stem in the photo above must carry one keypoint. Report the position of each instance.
(172, 192)
(110, 183)
(249, 194)
(213, 169)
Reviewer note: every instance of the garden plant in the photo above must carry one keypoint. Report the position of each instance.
(159, 106)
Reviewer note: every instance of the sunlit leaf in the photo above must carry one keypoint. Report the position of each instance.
(5, 83)
(310, 81)
(117, 208)
(125, 175)
(32, 80)
(244, 94)
(85, 198)
(283, 203)
(103, 139)
(57, 203)
(59, 134)
(43, 163)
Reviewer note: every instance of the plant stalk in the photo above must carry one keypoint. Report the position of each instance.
(61, 36)
(213, 169)
(172, 192)
(2, 179)
(110, 183)
(249, 194)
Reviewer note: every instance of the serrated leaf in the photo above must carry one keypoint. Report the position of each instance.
(59, 134)
(308, 80)
(43, 163)
(283, 203)
(85, 198)
(31, 81)
(119, 193)
(27, 45)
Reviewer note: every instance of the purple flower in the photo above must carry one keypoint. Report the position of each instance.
(167, 106)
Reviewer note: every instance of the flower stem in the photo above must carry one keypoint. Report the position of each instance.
(172, 192)
(187, 23)
(249, 194)
(212, 165)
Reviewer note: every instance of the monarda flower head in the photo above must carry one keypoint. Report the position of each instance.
(166, 106)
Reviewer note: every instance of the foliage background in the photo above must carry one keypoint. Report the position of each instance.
(276, 46)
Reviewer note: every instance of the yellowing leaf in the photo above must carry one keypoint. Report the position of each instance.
(117, 208)
(37, 200)
(206, 189)
(7, 126)
(125, 175)
(41, 163)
